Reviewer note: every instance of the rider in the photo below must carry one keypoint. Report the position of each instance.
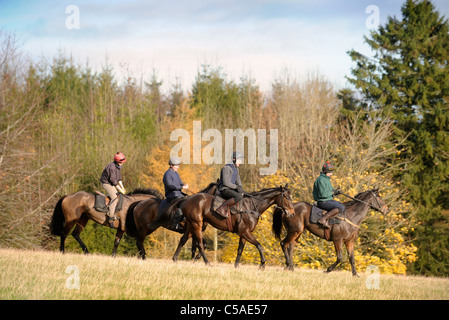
(323, 193)
(173, 186)
(230, 185)
(111, 180)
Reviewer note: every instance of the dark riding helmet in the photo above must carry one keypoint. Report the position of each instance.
(328, 167)
(236, 155)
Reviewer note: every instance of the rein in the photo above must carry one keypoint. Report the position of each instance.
(364, 202)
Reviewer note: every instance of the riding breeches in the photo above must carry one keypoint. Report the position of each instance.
(112, 193)
(229, 193)
(331, 204)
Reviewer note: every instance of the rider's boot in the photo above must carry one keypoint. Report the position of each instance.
(223, 210)
(324, 220)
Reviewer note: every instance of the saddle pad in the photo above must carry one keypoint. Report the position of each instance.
(100, 203)
(218, 201)
(316, 214)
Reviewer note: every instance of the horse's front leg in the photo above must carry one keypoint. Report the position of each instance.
(239, 251)
(181, 244)
(118, 237)
(247, 235)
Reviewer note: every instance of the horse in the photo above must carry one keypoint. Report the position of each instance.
(346, 232)
(143, 219)
(78, 208)
(198, 211)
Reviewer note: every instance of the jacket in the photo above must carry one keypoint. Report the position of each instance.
(111, 174)
(172, 184)
(229, 178)
(322, 188)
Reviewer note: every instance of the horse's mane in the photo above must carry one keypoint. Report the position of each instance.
(265, 190)
(210, 186)
(149, 191)
(360, 196)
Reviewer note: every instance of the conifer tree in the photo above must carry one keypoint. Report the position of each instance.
(408, 77)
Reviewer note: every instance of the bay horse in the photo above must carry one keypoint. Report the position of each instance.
(346, 232)
(198, 211)
(77, 209)
(143, 219)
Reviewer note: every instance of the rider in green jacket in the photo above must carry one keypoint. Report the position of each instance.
(323, 194)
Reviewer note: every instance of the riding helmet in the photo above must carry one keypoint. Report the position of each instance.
(328, 167)
(119, 157)
(174, 161)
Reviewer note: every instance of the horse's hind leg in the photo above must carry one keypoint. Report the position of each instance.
(62, 243)
(80, 224)
(287, 245)
(350, 248)
(140, 247)
(194, 247)
(198, 237)
(339, 250)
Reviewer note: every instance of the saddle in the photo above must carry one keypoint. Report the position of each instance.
(316, 214)
(102, 202)
(218, 201)
(166, 208)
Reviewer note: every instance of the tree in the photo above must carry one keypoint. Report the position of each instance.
(408, 78)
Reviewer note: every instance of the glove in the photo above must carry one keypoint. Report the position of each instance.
(239, 189)
(337, 192)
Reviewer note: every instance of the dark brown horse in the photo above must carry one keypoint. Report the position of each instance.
(197, 210)
(346, 232)
(143, 219)
(78, 208)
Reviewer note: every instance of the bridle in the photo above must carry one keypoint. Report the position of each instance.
(280, 207)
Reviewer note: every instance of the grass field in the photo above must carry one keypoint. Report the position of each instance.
(51, 275)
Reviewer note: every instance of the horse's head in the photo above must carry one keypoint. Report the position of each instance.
(377, 203)
(284, 201)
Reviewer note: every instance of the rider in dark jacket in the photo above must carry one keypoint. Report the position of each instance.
(173, 186)
(230, 185)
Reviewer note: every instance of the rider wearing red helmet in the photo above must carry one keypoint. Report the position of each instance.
(111, 180)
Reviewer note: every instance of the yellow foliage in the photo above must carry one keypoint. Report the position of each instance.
(197, 176)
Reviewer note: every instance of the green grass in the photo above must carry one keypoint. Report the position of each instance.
(42, 275)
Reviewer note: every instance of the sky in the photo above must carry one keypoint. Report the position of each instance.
(174, 38)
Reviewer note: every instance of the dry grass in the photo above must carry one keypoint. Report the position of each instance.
(42, 275)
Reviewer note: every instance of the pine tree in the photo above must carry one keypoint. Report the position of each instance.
(408, 78)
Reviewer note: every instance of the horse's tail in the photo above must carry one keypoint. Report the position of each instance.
(58, 219)
(130, 224)
(277, 223)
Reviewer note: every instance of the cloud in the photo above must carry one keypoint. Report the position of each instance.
(177, 36)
